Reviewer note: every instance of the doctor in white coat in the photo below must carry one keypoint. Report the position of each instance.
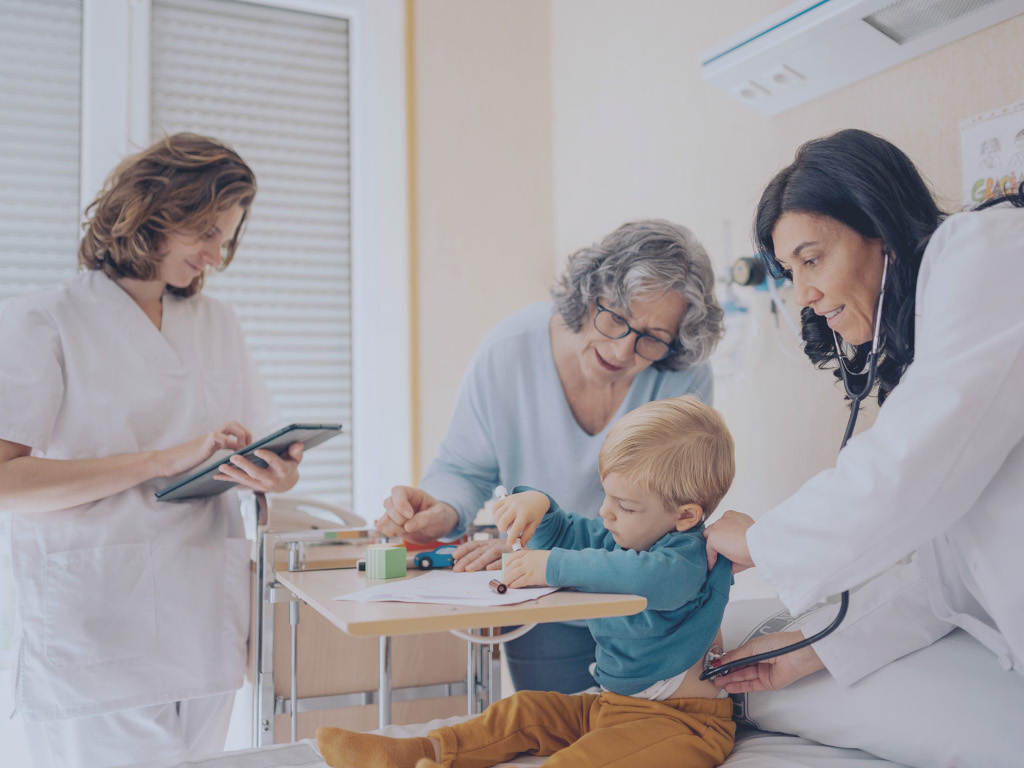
(133, 613)
(941, 471)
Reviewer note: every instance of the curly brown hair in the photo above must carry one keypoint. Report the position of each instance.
(180, 184)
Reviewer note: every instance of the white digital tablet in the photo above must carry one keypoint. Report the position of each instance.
(201, 482)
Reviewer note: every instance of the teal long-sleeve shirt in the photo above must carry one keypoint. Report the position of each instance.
(685, 602)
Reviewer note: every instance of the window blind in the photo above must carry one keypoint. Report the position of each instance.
(40, 87)
(274, 83)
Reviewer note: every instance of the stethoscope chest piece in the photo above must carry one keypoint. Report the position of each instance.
(713, 660)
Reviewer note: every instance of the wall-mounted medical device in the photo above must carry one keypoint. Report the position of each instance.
(749, 271)
(813, 47)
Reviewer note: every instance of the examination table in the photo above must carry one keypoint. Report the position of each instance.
(949, 704)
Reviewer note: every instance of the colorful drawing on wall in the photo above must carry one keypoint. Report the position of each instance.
(992, 153)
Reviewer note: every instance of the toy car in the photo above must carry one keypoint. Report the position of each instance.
(435, 558)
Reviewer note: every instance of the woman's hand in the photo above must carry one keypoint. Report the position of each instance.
(480, 555)
(519, 515)
(33, 484)
(527, 568)
(728, 536)
(772, 674)
(416, 516)
(174, 461)
(280, 475)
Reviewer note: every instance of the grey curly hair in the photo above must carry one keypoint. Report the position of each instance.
(641, 257)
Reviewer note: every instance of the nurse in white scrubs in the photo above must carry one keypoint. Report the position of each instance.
(941, 471)
(133, 613)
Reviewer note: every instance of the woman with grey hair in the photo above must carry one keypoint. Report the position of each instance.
(634, 319)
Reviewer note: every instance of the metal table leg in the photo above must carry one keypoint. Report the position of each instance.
(384, 683)
(293, 620)
(493, 657)
(263, 704)
(470, 678)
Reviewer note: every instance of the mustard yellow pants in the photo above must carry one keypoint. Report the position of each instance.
(592, 730)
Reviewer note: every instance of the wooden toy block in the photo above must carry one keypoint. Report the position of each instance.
(385, 562)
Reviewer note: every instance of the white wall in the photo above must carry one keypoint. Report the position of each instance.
(382, 375)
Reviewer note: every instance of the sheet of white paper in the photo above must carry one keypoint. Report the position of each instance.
(448, 587)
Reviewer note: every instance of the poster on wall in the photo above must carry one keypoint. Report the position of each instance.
(992, 153)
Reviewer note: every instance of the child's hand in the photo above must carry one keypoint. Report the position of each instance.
(520, 514)
(527, 568)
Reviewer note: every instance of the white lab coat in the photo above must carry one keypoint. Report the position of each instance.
(941, 471)
(126, 602)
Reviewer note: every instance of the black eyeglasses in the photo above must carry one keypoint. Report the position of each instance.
(615, 327)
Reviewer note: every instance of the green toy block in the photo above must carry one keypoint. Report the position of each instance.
(385, 562)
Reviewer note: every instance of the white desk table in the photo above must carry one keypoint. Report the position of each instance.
(384, 620)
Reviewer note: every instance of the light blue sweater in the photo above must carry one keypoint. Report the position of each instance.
(512, 423)
(685, 603)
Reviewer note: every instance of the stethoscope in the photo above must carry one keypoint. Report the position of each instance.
(870, 367)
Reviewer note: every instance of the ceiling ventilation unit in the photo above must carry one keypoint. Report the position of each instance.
(811, 48)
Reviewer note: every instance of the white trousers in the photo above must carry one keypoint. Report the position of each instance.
(172, 731)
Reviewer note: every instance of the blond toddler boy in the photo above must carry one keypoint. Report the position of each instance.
(664, 467)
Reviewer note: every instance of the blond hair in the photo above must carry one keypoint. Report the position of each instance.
(181, 183)
(678, 449)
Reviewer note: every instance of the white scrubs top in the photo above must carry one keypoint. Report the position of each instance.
(126, 602)
(941, 471)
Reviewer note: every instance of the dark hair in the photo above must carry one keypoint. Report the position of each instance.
(181, 183)
(871, 186)
(644, 256)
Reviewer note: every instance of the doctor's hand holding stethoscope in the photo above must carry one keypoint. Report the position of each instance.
(896, 293)
(783, 665)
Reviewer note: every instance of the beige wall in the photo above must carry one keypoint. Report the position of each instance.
(484, 184)
(543, 125)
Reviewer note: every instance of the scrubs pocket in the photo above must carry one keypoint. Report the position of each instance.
(100, 605)
(237, 575)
